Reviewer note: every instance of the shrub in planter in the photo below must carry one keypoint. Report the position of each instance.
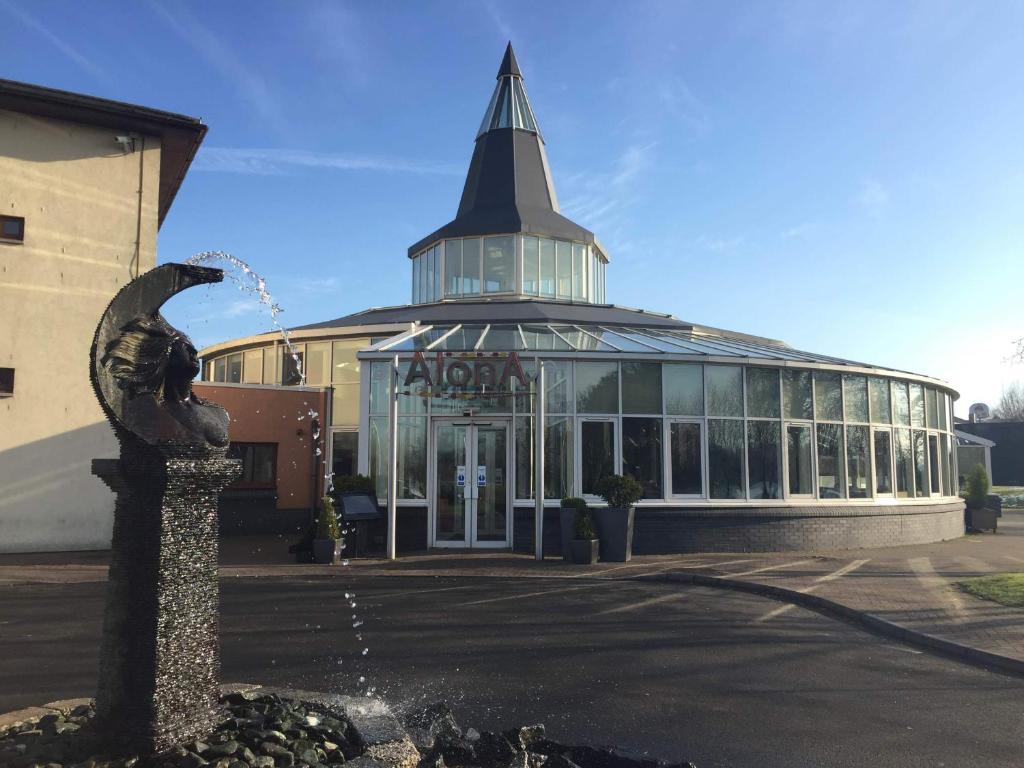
(615, 522)
(566, 518)
(584, 545)
(977, 487)
(326, 541)
(349, 483)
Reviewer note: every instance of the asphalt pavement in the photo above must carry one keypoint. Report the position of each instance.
(675, 672)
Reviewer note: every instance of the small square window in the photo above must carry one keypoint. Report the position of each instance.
(12, 229)
(6, 382)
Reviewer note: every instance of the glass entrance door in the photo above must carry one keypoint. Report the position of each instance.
(471, 498)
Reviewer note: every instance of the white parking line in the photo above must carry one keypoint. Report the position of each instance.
(415, 592)
(641, 604)
(767, 568)
(1015, 559)
(603, 584)
(675, 564)
(839, 572)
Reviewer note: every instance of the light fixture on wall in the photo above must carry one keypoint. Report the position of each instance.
(127, 142)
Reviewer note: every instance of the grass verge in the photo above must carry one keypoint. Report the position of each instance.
(1002, 588)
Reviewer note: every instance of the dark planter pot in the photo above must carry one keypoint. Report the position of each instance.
(615, 530)
(325, 551)
(584, 551)
(566, 520)
(983, 519)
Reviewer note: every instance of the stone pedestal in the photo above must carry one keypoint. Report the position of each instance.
(159, 660)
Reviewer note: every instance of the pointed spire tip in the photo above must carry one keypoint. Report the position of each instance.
(509, 65)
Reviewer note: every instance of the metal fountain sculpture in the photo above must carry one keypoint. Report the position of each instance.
(159, 658)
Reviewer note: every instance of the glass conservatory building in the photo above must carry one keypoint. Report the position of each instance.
(740, 443)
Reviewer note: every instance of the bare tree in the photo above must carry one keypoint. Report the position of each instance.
(1011, 403)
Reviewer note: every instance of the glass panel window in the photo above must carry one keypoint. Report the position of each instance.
(563, 268)
(259, 464)
(684, 389)
(900, 403)
(597, 387)
(796, 394)
(379, 455)
(830, 461)
(878, 392)
(499, 263)
(344, 454)
(917, 405)
(933, 464)
(531, 266)
(220, 369)
(920, 463)
(883, 461)
(318, 358)
(686, 459)
(471, 265)
(725, 390)
(438, 253)
(292, 365)
(947, 467)
(641, 387)
(547, 267)
(828, 396)
(943, 408)
(764, 460)
(270, 358)
(932, 407)
(412, 457)
(858, 463)
(855, 398)
(641, 454)
(234, 374)
(252, 371)
(380, 386)
(579, 274)
(452, 267)
(423, 277)
(557, 458)
(345, 381)
(904, 464)
(597, 454)
(725, 459)
(763, 392)
(416, 267)
(798, 459)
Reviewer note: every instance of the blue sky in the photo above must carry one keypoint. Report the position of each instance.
(847, 178)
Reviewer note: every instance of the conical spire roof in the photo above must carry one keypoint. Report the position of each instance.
(508, 186)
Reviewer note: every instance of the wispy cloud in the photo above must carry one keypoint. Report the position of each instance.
(65, 48)
(719, 244)
(680, 102)
(271, 162)
(873, 197)
(596, 197)
(800, 231)
(252, 87)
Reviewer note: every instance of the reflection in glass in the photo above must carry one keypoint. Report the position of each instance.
(684, 389)
(796, 394)
(597, 387)
(858, 464)
(597, 454)
(318, 358)
(471, 265)
(878, 390)
(499, 263)
(452, 267)
(450, 498)
(828, 396)
(855, 397)
(883, 461)
(436, 295)
(830, 461)
(234, 373)
(492, 498)
(344, 454)
(725, 390)
(641, 387)
(947, 466)
(412, 457)
(943, 410)
(270, 358)
(900, 403)
(379, 455)
(904, 464)
(798, 458)
(578, 270)
(252, 370)
(563, 268)
(725, 459)
(763, 392)
(933, 464)
(933, 407)
(920, 464)
(641, 454)
(531, 266)
(685, 459)
(917, 405)
(764, 459)
(547, 267)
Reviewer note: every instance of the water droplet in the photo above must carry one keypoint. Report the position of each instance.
(362, 679)
(365, 651)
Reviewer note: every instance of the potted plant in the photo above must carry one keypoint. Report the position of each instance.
(327, 542)
(583, 549)
(980, 516)
(615, 522)
(567, 522)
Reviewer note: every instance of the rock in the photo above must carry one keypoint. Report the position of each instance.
(49, 720)
(308, 756)
(433, 760)
(198, 746)
(262, 761)
(247, 755)
(275, 736)
(556, 760)
(226, 749)
(192, 760)
(437, 718)
(472, 734)
(522, 738)
(274, 750)
(493, 749)
(422, 738)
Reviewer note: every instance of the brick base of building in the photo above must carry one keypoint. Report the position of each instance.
(770, 529)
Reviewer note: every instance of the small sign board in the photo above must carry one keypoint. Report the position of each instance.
(460, 476)
(481, 474)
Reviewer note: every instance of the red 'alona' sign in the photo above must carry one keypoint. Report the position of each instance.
(457, 372)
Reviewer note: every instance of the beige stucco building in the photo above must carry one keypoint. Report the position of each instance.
(85, 184)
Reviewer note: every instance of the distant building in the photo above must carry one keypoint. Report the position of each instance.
(1007, 448)
(739, 442)
(85, 184)
(971, 451)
